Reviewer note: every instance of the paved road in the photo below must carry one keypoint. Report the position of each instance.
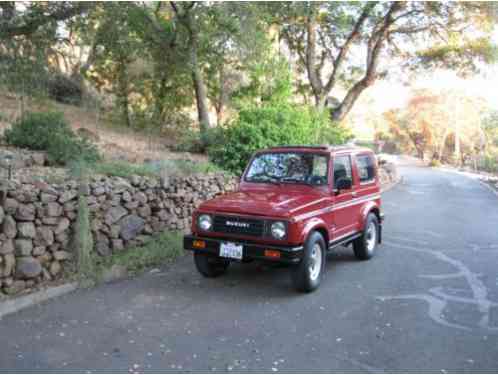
(427, 302)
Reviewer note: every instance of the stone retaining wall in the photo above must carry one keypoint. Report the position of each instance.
(37, 219)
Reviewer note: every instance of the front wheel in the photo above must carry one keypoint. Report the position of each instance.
(364, 246)
(210, 266)
(306, 276)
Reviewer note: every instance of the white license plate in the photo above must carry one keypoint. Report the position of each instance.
(231, 250)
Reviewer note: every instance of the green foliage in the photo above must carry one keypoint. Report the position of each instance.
(86, 269)
(49, 131)
(153, 169)
(270, 125)
(160, 249)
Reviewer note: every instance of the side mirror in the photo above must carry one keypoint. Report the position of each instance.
(343, 183)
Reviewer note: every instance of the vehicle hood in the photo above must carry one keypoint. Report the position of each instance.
(266, 203)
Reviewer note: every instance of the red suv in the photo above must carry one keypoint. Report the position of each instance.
(293, 205)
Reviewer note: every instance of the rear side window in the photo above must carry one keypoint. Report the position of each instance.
(366, 168)
(342, 168)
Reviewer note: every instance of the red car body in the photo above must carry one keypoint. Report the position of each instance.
(339, 217)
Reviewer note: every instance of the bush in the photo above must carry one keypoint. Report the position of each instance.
(64, 89)
(49, 131)
(272, 125)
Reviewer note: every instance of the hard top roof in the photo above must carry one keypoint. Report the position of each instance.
(323, 148)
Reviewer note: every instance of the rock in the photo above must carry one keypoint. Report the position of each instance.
(126, 196)
(135, 180)
(46, 198)
(28, 268)
(38, 159)
(44, 236)
(50, 220)
(140, 197)
(116, 272)
(53, 209)
(117, 244)
(26, 230)
(39, 250)
(55, 268)
(121, 185)
(62, 255)
(9, 263)
(114, 214)
(132, 205)
(23, 247)
(9, 227)
(144, 211)
(63, 239)
(99, 191)
(131, 226)
(7, 247)
(68, 196)
(102, 245)
(25, 212)
(62, 226)
(2, 214)
(16, 287)
(10, 206)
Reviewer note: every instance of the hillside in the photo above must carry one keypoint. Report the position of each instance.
(114, 142)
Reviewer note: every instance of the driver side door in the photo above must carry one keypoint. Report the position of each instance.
(343, 220)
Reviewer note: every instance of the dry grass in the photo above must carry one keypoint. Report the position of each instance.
(114, 142)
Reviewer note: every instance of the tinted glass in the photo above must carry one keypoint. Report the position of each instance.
(289, 167)
(342, 168)
(366, 168)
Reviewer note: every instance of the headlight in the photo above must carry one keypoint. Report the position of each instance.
(205, 222)
(278, 230)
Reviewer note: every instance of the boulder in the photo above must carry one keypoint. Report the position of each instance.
(140, 197)
(62, 226)
(46, 198)
(114, 214)
(25, 212)
(68, 196)
(62, 255)
(131, 226)
(7, 247)
(26, 230)
(55, 268)
(10, 206)
(28, 268)
(44, 236)
(23, 247)
(9, 227)
(53, 209)
(9, 263)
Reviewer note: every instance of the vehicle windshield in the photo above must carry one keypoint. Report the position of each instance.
(289, 167)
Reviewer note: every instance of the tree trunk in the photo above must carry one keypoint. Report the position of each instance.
(122, 94)
(200, 94)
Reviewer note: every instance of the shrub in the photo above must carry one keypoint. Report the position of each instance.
(64, 89)
(273, 124)
(49, 131)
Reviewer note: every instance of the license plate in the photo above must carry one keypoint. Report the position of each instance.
(231, 250)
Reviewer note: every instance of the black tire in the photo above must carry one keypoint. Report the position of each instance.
(364, 246)
(303, 276)
(210, 266)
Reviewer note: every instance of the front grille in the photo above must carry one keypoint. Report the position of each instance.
(238, 225)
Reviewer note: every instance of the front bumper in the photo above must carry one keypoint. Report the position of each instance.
(288, 254)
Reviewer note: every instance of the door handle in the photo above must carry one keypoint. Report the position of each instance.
(354, 193)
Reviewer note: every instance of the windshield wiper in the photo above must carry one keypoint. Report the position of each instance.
(269, 179)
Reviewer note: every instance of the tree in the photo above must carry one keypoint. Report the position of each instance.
(330, 40)
(14, 22)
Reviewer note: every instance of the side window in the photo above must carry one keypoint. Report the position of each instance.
(342, 168)
(366, 168)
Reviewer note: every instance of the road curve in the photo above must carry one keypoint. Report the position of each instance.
(428, 302)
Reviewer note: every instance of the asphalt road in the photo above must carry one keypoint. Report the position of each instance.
(428, 302)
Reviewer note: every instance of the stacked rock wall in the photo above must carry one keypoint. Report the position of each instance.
(37, 219)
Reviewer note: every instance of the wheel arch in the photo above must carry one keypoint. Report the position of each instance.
(370, 207)
(315, 225)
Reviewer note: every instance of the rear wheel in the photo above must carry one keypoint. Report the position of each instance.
(364, 246)
(210, 266)
(307, 275)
